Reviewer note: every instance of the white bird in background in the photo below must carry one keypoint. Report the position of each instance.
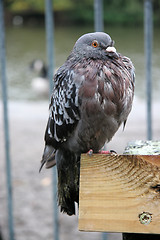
(40, 84)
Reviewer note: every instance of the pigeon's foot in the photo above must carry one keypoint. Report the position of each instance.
(90, 152)
(107, 152)
(104, 152)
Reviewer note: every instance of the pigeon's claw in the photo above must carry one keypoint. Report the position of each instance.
(107, 152)
(90, 152)
(104, 152)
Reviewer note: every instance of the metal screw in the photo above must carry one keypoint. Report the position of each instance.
(145, 218)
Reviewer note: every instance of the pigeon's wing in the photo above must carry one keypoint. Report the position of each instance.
(64, 114)
(127, 74)
(130, 68)
(64, 106)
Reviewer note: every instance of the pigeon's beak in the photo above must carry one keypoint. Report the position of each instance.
(111, 51)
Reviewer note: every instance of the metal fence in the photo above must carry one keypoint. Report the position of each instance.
(98, 22)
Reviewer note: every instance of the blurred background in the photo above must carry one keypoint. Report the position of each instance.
(28, 94)
(25, 37)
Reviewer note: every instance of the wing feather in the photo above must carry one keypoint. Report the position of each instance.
(64, 108)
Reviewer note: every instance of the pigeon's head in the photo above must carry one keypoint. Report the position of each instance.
(97, 45)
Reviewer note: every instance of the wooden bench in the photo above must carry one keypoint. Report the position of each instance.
(121, 193)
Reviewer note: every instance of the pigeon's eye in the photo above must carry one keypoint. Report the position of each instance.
(95, 43)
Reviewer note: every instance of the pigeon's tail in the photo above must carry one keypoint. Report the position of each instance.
(68, 167)
(48, 157)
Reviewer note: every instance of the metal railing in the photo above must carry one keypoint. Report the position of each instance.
(50, 56)
(6, 125)
(148, 35)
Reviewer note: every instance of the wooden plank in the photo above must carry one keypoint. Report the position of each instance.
(120, 193)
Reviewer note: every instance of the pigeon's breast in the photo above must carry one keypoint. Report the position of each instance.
(98, 123)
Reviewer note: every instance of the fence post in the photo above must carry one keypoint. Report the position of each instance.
(148, 29)
(6, 125)
(50, 56)
(98, 15)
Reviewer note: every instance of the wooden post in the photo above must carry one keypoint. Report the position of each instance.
(120, 193)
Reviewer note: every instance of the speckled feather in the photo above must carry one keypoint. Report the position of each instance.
(92, 97)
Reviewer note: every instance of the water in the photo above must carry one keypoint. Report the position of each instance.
(24, 44)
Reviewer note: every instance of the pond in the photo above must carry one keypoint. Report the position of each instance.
(24, 44)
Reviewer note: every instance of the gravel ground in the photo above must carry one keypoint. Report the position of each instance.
(32, 192)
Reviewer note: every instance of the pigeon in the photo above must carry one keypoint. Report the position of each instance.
(92, 96)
